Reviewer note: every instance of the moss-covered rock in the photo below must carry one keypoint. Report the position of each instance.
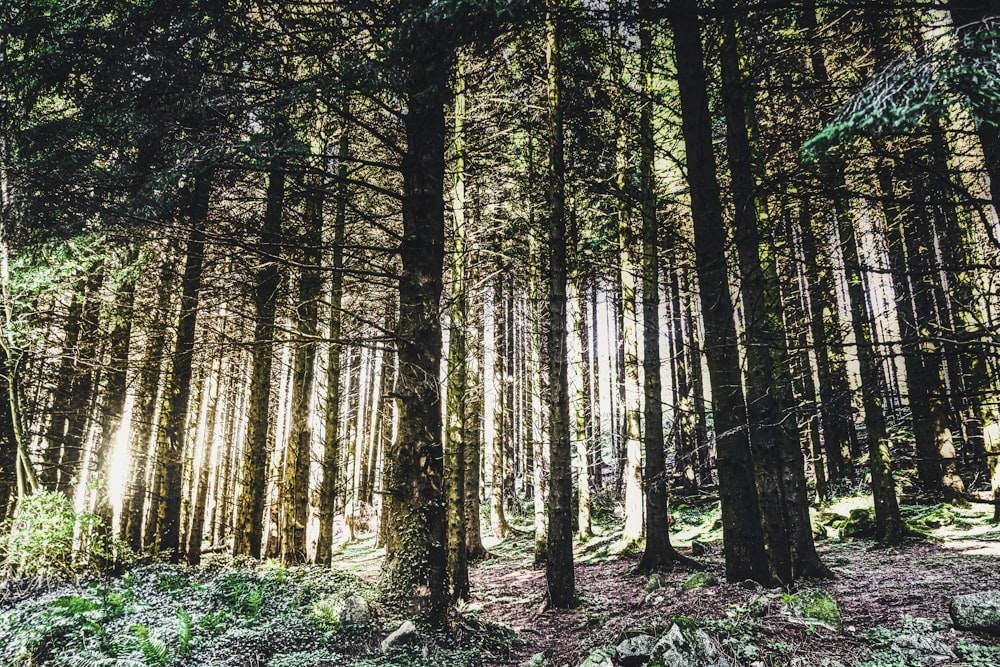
(859, 525)
(811, 607)
(699, 580)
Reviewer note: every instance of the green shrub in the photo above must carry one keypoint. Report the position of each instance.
(39, 540)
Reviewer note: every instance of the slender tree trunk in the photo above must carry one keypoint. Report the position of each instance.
(115, 388)
(456, 445)
(540, 430)
(331, 439)
(170, 444)
(743, 539)
(498, 518)
(658, 550)
(196, 534)
(473, 422)
(559, 575)
(596, 452)
(584, 528)
(143, 416)
(249, 530)
(299, 455)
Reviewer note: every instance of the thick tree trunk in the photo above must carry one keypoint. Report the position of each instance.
(778, 462)
(559, 575)
(416, 566)
(249, 530)
(743, 539)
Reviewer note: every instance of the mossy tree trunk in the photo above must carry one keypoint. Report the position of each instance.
(559, 575)
(249, 530)
(416, 565)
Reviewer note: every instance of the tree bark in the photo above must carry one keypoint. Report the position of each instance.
(249, 530)
(743, 539)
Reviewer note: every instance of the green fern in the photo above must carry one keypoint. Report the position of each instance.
(185, 630)
(153, 647)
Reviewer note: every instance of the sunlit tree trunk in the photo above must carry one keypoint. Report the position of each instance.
(196, 533)
(498, 518)
(170, 444)
(583, 433)
(456, 444)
(331, 438)
(473, 422)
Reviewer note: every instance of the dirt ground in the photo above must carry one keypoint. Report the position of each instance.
(874, 587)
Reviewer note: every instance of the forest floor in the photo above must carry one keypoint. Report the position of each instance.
(238, 614)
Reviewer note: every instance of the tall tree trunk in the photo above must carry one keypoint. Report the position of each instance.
(559, 575)
(299, 455)
(743, 539)
(115, 388)
(583, 432)
(416, 567)
(331, 438)
(778, 462)
(456, 445)
(498, 518)
(473, 422)
(78, 408)
(248, 534)
(596, 451)
(196, 534)
(143, 415)
(170, 444)
(658, 550)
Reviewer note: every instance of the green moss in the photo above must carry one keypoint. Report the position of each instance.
(699, 580)
(814, 606)
(859, 525)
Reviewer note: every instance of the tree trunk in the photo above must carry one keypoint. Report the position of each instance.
(416, 567)
(170, 444)
(498, 518)
(249, 530)
(559, 576)
(473, 422)
(331, 438)
(658, 551)
(299, 455)
(583, 433)
(457, 385)
(778, 462)
(743, 539)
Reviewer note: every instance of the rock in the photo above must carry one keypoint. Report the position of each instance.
(699, 580)
(689, 646)
(655, 581)
(818, 530)
(698, 548)
(353, 611)
(924, 649)
(813, 606)
(601, 657)
(635, 651)
(979, 612)
(537, 660)
(860, 525)
(405, 634)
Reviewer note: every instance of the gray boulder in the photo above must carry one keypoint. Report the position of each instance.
(925, 649)
(405, 634)
(979, 612)
(688, 647)
(635, 651)
(353, 611)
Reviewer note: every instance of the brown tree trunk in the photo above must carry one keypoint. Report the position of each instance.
(416, 565)
(559, 575)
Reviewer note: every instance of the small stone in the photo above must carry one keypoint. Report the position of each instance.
(635, 651)
(405, 634)
(979, 612)
(537, 660)
(688, 647)
(655, 581)
(602, 657)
